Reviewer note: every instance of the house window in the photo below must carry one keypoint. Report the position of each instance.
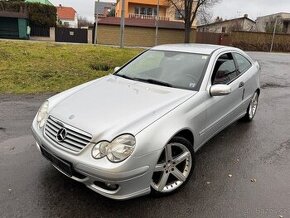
(145, 11)
(224, 29)
(179, 15)
(149, 11)
(137, 10)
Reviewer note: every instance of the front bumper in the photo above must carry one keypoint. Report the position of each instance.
(132, 177)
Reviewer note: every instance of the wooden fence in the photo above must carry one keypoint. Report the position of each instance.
(213, 38)
(255, 41)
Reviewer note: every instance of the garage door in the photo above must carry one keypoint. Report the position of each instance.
(9, 28)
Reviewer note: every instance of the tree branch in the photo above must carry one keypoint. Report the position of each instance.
(191, 9)
(177, 8)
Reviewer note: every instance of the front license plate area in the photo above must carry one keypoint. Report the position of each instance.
(64, 166)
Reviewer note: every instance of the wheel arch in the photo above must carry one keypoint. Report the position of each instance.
(258, 91)
(185, 133)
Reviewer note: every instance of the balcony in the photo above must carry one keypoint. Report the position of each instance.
(148, 17)
(149, 2)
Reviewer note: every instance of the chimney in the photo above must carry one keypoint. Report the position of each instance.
(246, 15)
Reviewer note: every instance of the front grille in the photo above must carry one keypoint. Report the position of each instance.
(74, 139)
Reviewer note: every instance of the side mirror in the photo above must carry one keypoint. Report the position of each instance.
(220, 90)
(116, 69)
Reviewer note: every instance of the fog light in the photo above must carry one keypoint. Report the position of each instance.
(107, 186)
(112, 186)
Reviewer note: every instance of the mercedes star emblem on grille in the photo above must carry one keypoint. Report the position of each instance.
(61, 135)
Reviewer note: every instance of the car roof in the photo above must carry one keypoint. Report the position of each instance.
(206, 49)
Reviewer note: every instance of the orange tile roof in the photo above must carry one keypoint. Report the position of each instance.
(66, 13)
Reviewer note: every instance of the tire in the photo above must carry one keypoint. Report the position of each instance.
(173, 169)
(252, 108)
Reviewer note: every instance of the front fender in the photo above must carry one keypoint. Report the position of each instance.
(188, 116)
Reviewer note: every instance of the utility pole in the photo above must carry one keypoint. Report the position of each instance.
(274, 32)
(96, 26)
(157, 24)
(122, 24)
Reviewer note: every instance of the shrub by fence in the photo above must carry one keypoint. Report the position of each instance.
(256, 41)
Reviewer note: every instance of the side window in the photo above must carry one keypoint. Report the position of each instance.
(224, 70)
(243, 63)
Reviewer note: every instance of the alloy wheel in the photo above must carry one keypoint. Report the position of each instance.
(253, 106)
(172, 169)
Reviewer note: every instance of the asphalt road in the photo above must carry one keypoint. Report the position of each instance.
(257, 151)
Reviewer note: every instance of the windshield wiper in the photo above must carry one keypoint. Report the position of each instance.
(153, 81)
(124, 76)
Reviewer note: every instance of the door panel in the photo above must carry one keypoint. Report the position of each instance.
(222, 110)
(248, 72)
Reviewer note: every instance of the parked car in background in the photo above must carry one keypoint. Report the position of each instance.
(136, 131)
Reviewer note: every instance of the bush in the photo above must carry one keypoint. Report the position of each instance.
(42, 15)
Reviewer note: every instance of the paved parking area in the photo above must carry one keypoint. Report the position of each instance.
(256, 154)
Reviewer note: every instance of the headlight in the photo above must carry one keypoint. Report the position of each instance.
(117, 150)
(99, 150)
(42, 114)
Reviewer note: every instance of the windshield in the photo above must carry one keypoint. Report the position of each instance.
(168, 68)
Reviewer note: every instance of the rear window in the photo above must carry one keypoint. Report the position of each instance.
(243, 63)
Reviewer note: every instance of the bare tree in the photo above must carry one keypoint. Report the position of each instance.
(205, 17)
(188, 11)
(83, 22)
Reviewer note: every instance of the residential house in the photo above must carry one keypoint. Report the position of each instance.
(45, 2)
(67, 16)
(147, 9)
(140, 22)
(103, 9)
(238, 24)
(267, 23)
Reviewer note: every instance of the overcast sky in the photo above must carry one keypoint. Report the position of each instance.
(226, 9)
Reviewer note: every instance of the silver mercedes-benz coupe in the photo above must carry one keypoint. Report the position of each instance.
(136, 131)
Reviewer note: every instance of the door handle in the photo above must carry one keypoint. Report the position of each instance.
(242, 84)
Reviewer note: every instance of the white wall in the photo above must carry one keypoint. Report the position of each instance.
(230, 25)
(261, 22)
(71, 23)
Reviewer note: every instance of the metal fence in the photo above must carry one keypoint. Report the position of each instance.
(39, 31)
(63, 34)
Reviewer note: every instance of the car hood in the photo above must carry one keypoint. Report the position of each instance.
(113, 105)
